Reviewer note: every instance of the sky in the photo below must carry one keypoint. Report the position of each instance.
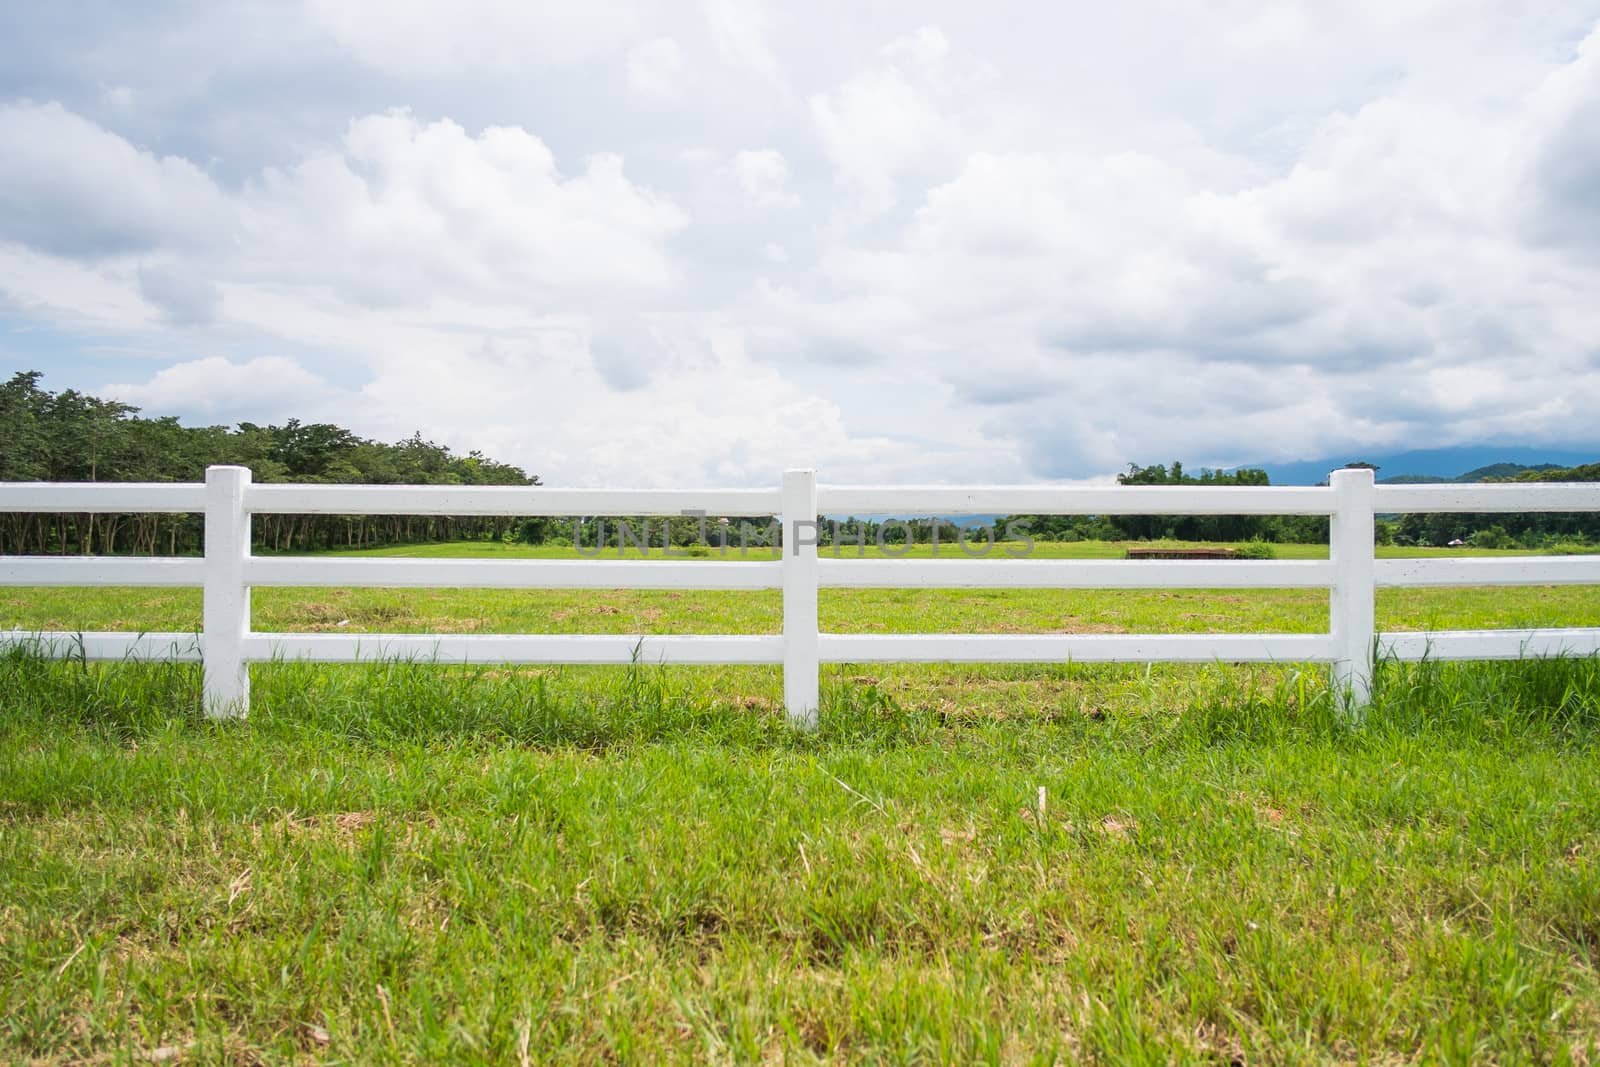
(696, 243)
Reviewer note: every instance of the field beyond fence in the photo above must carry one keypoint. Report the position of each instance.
(1351, 645)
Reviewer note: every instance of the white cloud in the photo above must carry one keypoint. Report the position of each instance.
(1277, 26)
(1115, 294)
(655, 68)
(884, 120)
(1562, 155)
(764, 176)
(119, 98)
(739, 31)
(218, 390)
(926, 47)
(70, 187)
(901, 241)
(53, 289)
(410, 37)
(402, 209)
(184, 298)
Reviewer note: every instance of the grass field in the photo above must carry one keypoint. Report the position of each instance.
(413, 863)
(841, 610)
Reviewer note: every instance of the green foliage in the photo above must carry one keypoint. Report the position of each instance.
(1305, 529)
(1530, 530)
(535, 530)
(1586, 472)
(1518, 529)
(760, 611)
(1504, 471)
(411, 863)
(1494, 537)
(72, 437)
(645, 864)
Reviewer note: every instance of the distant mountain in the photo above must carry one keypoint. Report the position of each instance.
(1466, 463)
(1481, 474)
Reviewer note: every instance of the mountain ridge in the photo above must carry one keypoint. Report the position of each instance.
(1457, 464)
(1481, 474)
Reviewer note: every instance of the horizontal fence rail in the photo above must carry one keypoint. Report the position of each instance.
(1489, 644)
(1485, 499)
(100, 570)
(502, 500)
(226, 644)
(103, 497)
(1521, 570)
(1047, 500)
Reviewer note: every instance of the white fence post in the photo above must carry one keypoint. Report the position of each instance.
(1350, 644)
(1351, 605)
(226, 618)
(800, 598)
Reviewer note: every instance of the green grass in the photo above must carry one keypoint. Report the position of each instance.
(1040, 550)
(841, 610)
(418, 863)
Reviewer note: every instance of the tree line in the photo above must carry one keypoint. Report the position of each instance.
(1508, 530)
(74, 437)
(1281, 529)
(1512, 530)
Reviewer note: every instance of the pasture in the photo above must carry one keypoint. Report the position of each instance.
(416, 863)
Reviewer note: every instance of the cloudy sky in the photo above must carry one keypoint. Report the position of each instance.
(632, 243)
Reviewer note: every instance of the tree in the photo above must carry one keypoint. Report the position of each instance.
(1303, 528)
(71, 436)
(22, 436)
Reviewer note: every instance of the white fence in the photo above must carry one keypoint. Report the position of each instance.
(227, 645)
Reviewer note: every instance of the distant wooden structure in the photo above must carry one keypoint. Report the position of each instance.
(1182, 553)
